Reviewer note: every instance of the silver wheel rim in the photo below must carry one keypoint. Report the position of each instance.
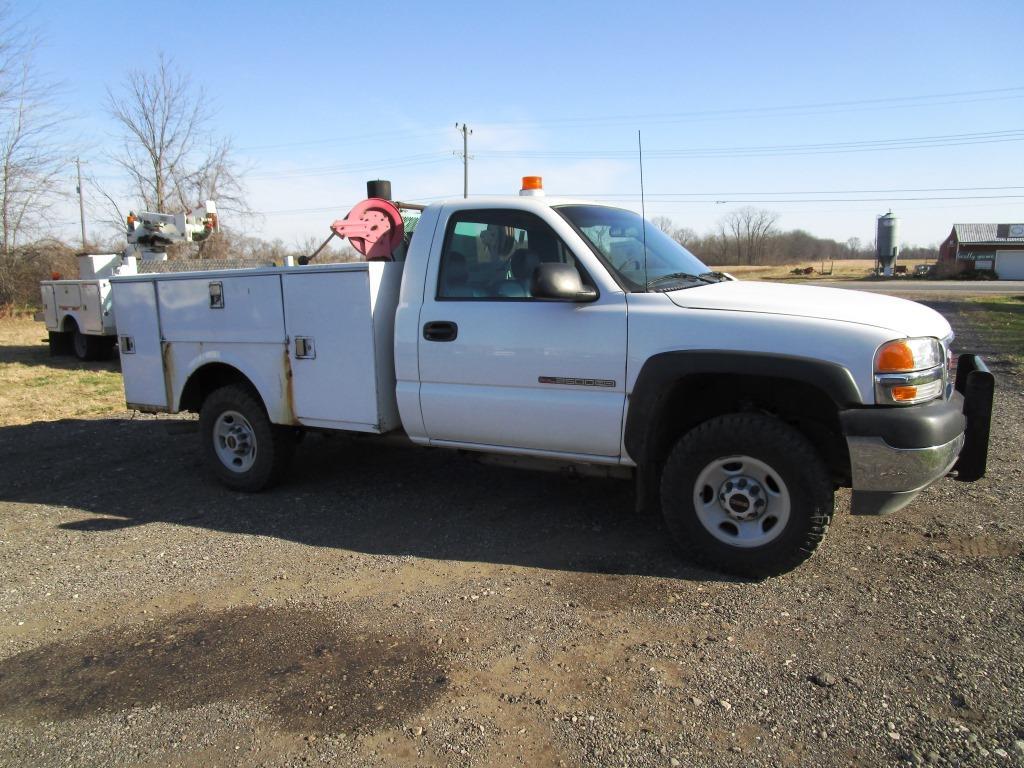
(234, 441)
(741, 501)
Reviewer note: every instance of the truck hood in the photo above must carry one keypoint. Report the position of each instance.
(848, 306)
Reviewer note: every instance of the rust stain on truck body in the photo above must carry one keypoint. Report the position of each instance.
(288, 389)
(167, 360)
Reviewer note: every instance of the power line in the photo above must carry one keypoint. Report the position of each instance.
(368, 138)
(599, 195)
(1013, 92)
(790, 110)
(632, 197)
(772, 150)
(828, 199)
(354, 167)
(346, 206)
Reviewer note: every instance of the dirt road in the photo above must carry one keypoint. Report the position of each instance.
(400, 606)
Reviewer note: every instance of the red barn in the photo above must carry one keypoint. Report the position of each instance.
(999, 247)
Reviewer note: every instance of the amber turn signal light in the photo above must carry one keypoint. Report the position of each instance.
(895, 356)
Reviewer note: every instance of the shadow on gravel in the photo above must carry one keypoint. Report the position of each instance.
(311, 675)
(349, 493)
(39, 355)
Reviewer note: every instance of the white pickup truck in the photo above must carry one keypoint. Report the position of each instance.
(570, 334)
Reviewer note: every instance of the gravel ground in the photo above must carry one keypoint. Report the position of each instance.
(400, 606)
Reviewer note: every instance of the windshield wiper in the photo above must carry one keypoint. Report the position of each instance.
(706, 277)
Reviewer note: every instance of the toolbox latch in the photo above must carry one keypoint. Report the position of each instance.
(217, 295)
(304, 348)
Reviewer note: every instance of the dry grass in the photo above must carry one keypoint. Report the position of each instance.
(37, 387)
(847, 269)
(1002, 317)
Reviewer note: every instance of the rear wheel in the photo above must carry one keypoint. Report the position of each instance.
(246, 451)
(60, 343)
(88, 347)
(746, 494)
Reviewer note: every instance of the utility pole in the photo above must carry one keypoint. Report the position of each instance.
(81, 202)
(466, 132)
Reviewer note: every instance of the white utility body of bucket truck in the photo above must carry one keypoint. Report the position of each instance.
(570, 333)
(79, 314)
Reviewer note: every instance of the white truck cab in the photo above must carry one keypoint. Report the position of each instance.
(573, 334)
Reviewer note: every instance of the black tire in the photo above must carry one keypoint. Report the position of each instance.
(88, 347)
(79, 343)
(60, 343)
(237, 407)
(746, 444)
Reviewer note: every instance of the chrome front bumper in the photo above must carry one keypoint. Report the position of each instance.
(877, 466)
(924, 442)
(885, 479)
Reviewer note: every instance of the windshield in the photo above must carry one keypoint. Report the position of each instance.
(618, 236)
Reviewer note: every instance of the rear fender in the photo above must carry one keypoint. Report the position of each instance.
(265, 366)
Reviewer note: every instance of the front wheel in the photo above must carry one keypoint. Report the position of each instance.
(746, 494)
(246, 451)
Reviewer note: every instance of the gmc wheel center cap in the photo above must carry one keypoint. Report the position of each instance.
(742, 498)
(739, 504)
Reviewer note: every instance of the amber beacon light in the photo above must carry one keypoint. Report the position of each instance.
(531, 185)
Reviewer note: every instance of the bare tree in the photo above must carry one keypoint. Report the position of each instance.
(684, 236)
(750, 230)
(853, 246)
(169, 152)
(30, 164)
(664, 223)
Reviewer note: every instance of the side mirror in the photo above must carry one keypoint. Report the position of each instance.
(559, 282)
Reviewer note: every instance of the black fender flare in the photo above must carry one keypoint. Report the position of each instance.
(661, 372)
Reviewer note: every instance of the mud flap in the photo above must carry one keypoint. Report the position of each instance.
(977, 384)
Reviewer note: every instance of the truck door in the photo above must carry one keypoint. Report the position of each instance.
(500, 368)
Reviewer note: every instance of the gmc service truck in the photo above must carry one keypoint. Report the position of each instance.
(560, 333)
(79, 314)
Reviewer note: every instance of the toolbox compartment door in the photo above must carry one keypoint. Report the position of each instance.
(220, 308)
(92, 308)
(331, 349)
(69, 295)
(138, 329)
(49, 308)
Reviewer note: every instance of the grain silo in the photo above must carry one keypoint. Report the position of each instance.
(887, 240)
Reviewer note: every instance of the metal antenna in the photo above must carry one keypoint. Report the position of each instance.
(643, 208)
(466, 132)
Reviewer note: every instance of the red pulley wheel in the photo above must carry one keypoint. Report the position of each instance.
(374, 227)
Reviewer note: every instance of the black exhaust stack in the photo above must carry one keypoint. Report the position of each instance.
(379, 188)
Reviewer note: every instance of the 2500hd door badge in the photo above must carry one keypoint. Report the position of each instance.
(576, 382)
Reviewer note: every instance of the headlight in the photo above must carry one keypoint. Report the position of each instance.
(909, 371)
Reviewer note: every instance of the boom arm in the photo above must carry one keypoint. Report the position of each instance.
(150, 233)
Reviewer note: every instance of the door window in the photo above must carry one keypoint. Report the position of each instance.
(491, 255)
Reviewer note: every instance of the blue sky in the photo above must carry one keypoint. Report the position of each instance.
(318, 97)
